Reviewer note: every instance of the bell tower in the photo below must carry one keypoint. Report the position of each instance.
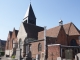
(30, 16)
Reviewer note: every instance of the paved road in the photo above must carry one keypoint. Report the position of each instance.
(4, 58)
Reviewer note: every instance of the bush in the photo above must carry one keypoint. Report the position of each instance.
(2, 53)
(13, 56)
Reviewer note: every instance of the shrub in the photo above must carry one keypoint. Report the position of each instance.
(13, 56)
(2, 53)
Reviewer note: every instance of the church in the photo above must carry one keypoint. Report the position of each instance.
(38, 43)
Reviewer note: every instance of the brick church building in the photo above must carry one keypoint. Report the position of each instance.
(37, 42)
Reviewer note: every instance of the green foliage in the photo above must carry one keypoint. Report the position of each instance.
(2, 53)
(13, 56)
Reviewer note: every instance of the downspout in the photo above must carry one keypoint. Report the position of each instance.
(44, 42)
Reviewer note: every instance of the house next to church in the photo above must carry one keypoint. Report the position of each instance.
(11, 43)
(36, 42)
(2, 45)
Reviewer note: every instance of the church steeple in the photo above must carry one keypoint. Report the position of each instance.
(30, 16)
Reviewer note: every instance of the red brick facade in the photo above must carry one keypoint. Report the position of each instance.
(59, 35)
(62, 37)
(53, 52)
(34, 48)
(11, 36)
(8, 41)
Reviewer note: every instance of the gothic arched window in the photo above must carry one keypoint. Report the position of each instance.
(39, 47)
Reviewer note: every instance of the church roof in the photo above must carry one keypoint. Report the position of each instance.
(29, 12)
(32, 30)
(53, 32)
(32, 27)
(70, 29)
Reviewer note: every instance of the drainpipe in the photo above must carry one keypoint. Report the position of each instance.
(44, 42)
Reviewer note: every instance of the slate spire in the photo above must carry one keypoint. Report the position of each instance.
(30, 16)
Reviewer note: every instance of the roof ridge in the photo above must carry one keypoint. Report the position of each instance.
(76, 28)
(59, 25)
(69, 28)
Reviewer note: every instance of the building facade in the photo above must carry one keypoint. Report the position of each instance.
(11, 43)
(2, 45)
(35, 42)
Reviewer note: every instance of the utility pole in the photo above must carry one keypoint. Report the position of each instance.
(44, 42)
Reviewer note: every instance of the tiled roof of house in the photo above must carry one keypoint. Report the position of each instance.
(16, 31)
(70, 29)
(3, 42)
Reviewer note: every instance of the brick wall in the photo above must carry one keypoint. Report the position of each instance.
(76, 37)
(53, 52)
(62, 37)
(34, 48)
(14, 37)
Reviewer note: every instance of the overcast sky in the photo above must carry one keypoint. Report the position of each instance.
(47, 12)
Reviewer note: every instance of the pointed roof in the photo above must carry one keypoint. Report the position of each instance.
(32, 30)
(70, 29)
(16, 31)
(53, 32)
(29, 12)
(10, 32)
